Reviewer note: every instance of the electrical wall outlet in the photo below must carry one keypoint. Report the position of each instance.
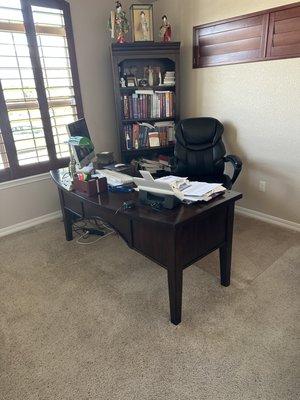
(262, 186)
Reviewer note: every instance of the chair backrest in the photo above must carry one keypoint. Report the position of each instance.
(199, 149)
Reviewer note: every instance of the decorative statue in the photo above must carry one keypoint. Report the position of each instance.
(150, 76)
(165, 31)
(118, 24)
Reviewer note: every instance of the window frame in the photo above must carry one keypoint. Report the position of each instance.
(15, 171)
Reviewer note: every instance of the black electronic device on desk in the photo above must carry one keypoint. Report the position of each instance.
(156, 194)
(158, 201)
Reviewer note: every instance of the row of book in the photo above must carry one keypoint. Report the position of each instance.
(145, 104)
(144, 135)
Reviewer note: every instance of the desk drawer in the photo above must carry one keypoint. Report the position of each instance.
(73, 203)
(199, 236)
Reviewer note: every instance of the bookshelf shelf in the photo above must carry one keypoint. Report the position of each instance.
(154, 88)
(135, 60)
(148, 120)
(149, 149)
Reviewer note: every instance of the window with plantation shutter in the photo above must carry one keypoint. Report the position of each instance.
(39, 86)
(231, 42)
(264, 35)
(284, 33)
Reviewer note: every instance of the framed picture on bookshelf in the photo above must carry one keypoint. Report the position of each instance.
(142, 22)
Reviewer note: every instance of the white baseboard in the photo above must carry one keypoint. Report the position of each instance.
(29, 223)
(268, 218)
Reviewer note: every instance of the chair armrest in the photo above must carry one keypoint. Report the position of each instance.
(237, 165)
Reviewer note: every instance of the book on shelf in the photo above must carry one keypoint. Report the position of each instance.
(146, 104)
(144, 135)
(169, 79)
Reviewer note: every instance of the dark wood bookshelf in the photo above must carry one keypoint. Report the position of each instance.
(166, 56)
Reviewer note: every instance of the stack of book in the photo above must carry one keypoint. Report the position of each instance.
(144, 104)
(169, 78)
(143, 135)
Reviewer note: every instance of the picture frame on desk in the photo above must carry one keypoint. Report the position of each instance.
(142, 22)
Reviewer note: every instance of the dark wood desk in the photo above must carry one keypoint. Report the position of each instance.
(174, 239)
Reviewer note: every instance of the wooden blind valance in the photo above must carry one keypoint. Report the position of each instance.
(265, 35)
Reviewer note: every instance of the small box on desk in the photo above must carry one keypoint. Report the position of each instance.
(91, 187)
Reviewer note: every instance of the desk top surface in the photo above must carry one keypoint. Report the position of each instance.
(114, 201)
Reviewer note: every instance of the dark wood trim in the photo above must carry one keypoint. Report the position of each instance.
(60, 4)
(73, 59)
(144, 46)
(5, 175)
(31, 170)
(266, 40)
(7, 135)
(39, 79)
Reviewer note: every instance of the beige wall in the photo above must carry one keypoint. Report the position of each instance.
(259, 106)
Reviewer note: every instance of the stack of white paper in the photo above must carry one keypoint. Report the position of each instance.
(192, 191)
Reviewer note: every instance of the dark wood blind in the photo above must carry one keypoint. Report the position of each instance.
(231, 42)
(264, 35)
(284, 33)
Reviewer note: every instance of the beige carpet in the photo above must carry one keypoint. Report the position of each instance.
(93, 322)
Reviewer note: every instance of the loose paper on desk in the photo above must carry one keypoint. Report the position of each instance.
(193, 191)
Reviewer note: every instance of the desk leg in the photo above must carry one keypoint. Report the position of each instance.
(226, 250)
(67, 218)
(175, 294)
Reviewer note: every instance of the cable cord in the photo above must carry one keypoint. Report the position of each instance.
(82, 226)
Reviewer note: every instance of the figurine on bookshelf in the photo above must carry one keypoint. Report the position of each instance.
(165, 31)
(118, 24)
(123, 82)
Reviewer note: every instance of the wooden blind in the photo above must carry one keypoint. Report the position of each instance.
(284, 33)
(260, 36)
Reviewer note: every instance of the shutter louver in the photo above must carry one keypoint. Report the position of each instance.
(284, 33)
(54, 56)
(18, 86)
(232, 42)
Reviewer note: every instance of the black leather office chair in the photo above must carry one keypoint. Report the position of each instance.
(200, 153)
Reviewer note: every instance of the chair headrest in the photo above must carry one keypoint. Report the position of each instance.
(199, 131)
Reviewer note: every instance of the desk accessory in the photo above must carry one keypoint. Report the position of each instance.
(90, 187)
(87, 187)
(158, 201)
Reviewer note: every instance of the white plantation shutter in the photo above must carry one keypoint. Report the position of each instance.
(55, 61)
(19, 88)
(37, 97)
